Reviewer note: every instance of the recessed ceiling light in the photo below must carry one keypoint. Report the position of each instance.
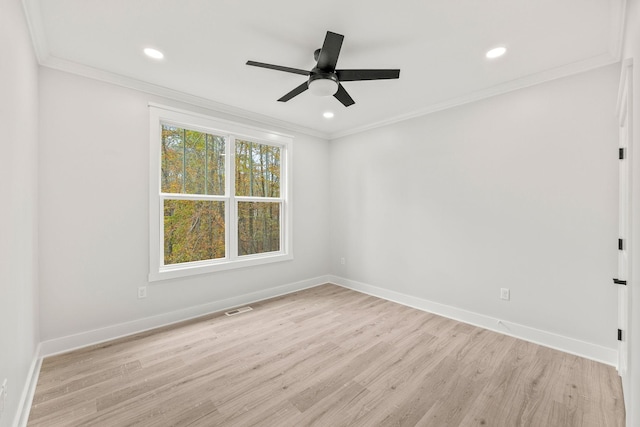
(496, 52)
(153, 53)
(327, 115)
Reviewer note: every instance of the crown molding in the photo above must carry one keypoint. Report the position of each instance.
(33, 15)
(521, 83)
(152, 89)
(131, 83)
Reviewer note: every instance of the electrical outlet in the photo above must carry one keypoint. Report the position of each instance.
(343, 261)
(504, 294)
(142, 292)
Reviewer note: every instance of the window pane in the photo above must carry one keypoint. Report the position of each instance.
(257, 169)
(192, 162)
(258, 227)
(172, 155)
(193, 231)
(215, 165)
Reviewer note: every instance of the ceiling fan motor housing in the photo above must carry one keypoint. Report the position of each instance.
(324, 79)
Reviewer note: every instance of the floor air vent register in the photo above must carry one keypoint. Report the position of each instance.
(238, 311)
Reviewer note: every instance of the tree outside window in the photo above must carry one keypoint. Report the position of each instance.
(205, 218)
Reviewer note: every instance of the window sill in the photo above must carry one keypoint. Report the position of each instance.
(193, 269)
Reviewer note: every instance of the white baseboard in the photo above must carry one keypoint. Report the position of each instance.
(84, 339)
(60, 345)
(29, 389)
(591, 351)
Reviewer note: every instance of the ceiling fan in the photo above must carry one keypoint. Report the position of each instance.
(324, 79)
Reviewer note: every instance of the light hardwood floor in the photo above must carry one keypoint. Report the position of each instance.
(326, 356)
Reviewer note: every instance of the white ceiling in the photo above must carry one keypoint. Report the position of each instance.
(439, 45)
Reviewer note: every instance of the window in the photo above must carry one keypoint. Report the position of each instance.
(219, 195)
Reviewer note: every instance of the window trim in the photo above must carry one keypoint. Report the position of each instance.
(159, 114)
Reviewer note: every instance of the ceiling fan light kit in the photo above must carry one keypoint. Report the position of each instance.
(324, 79)
(323, 84)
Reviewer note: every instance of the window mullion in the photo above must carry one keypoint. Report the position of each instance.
(250, 149)
(180, 196)
(206, 163)
(232, 221)
(259, 199)
(196, 211)
(184, 160)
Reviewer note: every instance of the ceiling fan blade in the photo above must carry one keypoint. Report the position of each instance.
(355, 75)
(297, 91)
(278, 68)
(329, 52)
(342, 96)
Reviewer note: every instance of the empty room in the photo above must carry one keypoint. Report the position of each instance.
(356, 213)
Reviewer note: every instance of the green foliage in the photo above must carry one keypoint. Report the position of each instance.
(258, 227)
(193, 230)
(194, 163)
(258, 175)
(257, 169)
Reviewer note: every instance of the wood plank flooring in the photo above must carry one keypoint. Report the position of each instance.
(326, 356)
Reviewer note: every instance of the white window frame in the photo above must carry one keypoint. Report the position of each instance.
(158, 115)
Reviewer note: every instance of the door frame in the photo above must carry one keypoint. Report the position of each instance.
(624, 112)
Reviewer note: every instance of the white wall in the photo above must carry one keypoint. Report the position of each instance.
(94, 232)
(18, 204)
(516, 191)
(632, 381)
